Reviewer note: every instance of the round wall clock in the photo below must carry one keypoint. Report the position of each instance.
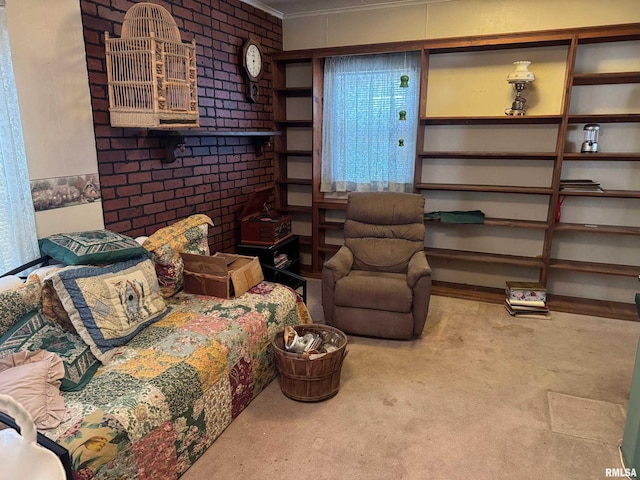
(253, 65)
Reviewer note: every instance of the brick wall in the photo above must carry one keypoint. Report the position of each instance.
(214, 175)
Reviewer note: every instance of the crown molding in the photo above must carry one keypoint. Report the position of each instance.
(265, 8)
(331, 11)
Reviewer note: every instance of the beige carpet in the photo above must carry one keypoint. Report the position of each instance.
(480, 395)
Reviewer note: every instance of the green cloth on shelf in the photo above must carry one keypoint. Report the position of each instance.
(457, 216)
(638, 303)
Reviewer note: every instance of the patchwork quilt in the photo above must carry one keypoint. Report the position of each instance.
(166, 395)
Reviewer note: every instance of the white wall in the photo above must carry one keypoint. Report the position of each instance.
(47, 47)
(452, 18)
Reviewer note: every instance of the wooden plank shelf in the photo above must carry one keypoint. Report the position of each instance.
(491, 155)
(294, 123)
(294, 181)
(197, 132)
(602, 157)
(331, 225)
(477, 44)
(300, 153)
(613, 78)
(295, 209)
(485, 188)
(506, 222)
(608, 33)
(499, 222)
(597, 308)
(172, 140)
(595, 267)
(605, 118)
(488, 120)
(615, 229)
(468, 292)
(605, 193)
(294, 91)
(482, 257)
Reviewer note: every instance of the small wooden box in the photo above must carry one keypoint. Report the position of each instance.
(222, 275)
(259, 226)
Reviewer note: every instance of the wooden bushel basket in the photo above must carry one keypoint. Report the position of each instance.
(308, 380)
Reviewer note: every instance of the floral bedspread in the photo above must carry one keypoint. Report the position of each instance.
(166, 396)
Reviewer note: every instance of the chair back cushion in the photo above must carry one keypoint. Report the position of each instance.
(384, 229)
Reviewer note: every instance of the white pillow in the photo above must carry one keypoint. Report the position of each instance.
(10, 281)
(141, 239)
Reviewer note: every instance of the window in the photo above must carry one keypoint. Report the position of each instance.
(17, 219)
(369, 122)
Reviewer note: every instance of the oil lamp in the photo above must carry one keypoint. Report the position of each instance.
(519, 78)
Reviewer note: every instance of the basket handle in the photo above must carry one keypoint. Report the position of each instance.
(21, 417)
(21, 456)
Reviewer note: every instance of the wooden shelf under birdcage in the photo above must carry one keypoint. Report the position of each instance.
(172, 140)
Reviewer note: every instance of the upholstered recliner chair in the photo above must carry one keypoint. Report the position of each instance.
(379, 283)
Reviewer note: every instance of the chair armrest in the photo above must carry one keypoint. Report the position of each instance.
(419, 279)
(418, 268)
(340, 264)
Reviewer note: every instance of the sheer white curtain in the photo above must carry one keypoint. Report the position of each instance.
(369, 122)
(18, 241)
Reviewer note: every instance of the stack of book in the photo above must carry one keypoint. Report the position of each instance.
(280, 261)
(580, 185)
(526, 300)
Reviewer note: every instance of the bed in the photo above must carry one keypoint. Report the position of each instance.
(159, 398)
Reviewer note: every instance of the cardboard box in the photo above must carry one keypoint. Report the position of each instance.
(222, 275)
(259, 225)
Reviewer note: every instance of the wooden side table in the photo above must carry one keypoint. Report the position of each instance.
(280, 262)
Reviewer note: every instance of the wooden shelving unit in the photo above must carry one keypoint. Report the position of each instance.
(287, 149)
(324, 213)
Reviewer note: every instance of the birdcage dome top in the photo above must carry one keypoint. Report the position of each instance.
(145, 19)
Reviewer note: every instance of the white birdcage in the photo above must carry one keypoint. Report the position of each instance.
(151, 74)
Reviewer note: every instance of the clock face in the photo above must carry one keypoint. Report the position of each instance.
(253, 61)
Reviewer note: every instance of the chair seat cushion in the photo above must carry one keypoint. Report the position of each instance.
(374, 290)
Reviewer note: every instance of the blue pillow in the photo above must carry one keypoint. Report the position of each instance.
(94, 247)
(35, 332)
(109, 305)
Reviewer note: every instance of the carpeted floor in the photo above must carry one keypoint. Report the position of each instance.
(480, 395)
